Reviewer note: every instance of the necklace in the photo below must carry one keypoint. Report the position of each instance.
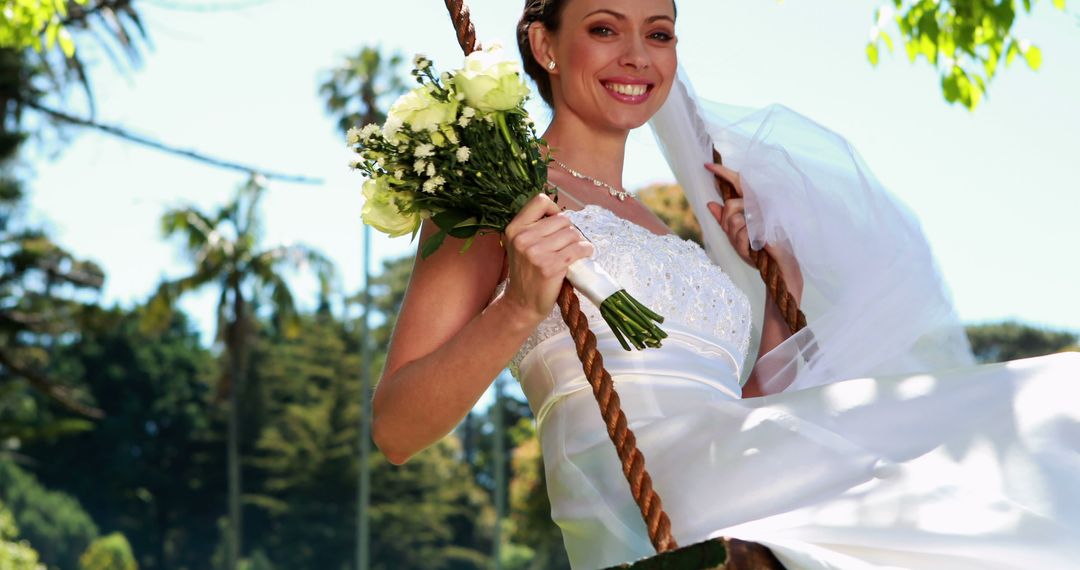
(620, 194)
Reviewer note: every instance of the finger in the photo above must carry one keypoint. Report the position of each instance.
(717, 211)
(547, 226)
(538, 207)
(576, 251)
(733, 212)
(742, 241)
(728, 175)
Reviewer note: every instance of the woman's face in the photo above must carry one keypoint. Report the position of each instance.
(616, 60)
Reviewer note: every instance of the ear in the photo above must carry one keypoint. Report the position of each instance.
(543, 46)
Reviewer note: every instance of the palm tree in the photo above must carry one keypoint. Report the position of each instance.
(225, 251)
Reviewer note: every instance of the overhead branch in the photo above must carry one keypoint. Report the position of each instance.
(55, 391)
(190, 154)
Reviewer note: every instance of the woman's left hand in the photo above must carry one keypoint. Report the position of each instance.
(731, 215)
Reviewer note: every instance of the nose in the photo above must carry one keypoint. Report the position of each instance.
(635, 55)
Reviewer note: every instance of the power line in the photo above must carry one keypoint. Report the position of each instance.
(190, 154)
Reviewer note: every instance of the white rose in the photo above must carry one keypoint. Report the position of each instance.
(491, 82)
(421, 111)
(380, 211)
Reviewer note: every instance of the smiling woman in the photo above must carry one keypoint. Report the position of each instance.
(864, 440)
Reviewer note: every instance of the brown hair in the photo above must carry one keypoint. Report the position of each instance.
(548, 13)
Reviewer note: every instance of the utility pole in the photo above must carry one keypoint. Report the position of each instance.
(500, 472)
(363, 530)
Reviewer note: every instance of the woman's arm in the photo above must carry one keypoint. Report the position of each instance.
(732, 220)
(448, 344)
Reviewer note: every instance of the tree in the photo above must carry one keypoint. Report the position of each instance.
(15, 554)
(154, 468)
(52, 521)
(966, 40)
(361, 89)
(1010, 340)
(224, 248)
(669, 203)
(110, 552)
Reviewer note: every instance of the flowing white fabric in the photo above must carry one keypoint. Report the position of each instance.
(873, 297)
(968, 468)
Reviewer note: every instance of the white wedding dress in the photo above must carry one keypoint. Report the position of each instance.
(968, 468)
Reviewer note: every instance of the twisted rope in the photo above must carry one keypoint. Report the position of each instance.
(633, 462)
(770, 271)
(592, 362)
(463, 26)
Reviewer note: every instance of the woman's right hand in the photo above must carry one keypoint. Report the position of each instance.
(540, 243)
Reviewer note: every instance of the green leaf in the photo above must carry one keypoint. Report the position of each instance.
(432, 244)
(872, 53)
(1012, 52)
(66, 43)
(1034, 57)
(887, 38)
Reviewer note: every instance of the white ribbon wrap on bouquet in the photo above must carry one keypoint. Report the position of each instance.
(874, 299)
(592, 280)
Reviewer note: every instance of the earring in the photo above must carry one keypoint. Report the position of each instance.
(551, 65)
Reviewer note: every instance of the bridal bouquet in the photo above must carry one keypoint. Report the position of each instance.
(461, 150)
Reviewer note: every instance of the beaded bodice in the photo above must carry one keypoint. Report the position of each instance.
(670, 275)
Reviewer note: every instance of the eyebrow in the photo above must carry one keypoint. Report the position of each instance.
(619, 16)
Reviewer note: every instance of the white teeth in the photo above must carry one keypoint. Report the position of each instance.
(632, 90)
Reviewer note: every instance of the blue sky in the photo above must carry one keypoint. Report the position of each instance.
(998, 190)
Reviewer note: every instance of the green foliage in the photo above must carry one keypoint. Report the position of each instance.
(429, 513)
(966, 40)
(111, 552)
(358, 91)
(1010, 340)
(26, 22)
(153, 468)
(530, 509)
(15, 554)
(669, 203)
(52, 521)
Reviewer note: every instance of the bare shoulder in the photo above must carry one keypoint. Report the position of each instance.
(446, 290)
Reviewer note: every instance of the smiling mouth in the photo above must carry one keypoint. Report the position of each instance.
(629, 90)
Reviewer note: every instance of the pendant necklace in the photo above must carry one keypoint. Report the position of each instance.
(620, 194)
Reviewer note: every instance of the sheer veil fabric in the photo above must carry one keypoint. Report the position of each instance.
(873, 296)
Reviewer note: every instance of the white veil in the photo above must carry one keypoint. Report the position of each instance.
(874, 300)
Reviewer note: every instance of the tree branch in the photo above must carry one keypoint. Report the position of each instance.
(51, 389)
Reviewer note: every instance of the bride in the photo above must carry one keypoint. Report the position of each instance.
(866, 440)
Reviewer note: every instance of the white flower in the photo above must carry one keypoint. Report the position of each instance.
(382, 209)
(399, 174)
(434, 183)
(424, 150)
(491, 81)
(430, 169)
(381, 162)
(463, 121)
(353, 136)
(420, 166)
(463, 154)
(468, 112)
(392, 125)
(421, 62)
(421, 110)
(368, 131)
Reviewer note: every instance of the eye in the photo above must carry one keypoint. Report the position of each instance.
(603, 31)
(661, 36)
